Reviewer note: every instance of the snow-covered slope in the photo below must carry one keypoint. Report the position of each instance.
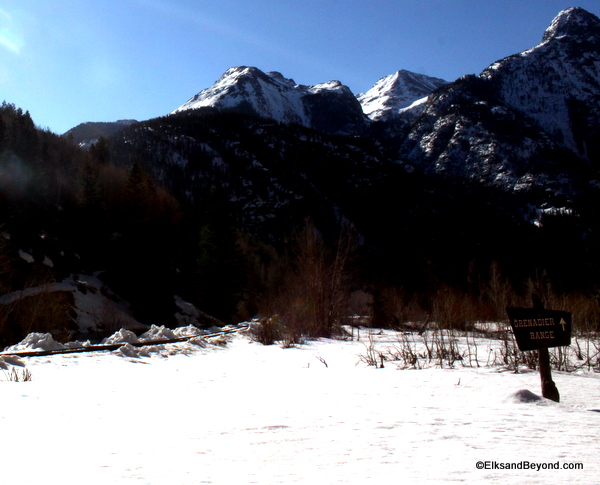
(193, 413)
(329, 106)
(528, 122)
(268, 94)
(557, 83)
(395, 92)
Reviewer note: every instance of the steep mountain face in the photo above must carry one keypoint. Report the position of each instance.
(272, 175)
(267, 178)
(329, 107)
(467, 134)
(529, 123)
(522, 136)
(557, 83)
(395, 92)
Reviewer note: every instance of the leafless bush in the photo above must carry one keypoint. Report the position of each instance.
(510, 357)
(444, 348)
(371, 355)
(406, 352)
(454, 309)
(393, 307)
(313, 299)
(498, 293)
(47, 311)
(440, 348)
(266, 331)
(587, 352)
(15, 375)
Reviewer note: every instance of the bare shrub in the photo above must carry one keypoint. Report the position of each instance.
(393, 307)
(453, 308)
(266, 331)
(16, 375)
(371, 355)
(439, 348)
(313, 299)
(498, 293)
(406, 352)
(46, 312)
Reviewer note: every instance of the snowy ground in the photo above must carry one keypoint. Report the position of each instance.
(245, 413)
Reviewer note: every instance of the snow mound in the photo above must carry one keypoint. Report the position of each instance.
(129, 350)
(157, 333)
(198, 341)
(36, 341)
(76, 344)
(122, 336)
(7, 360)
(188, 331)
(525, 395)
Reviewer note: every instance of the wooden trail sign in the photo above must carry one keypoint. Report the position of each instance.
(536, 328)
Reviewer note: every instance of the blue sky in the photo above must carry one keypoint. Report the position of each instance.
(70, 61)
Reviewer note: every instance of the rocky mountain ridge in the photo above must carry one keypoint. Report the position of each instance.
(528, 124)
(330, 107)
(395, 92)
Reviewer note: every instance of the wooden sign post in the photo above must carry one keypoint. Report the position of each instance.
(538, 329)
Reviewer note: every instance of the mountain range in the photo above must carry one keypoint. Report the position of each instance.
(415, 158)
(446, 191)
(529, 122)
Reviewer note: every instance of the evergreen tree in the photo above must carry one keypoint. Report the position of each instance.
(100, 152)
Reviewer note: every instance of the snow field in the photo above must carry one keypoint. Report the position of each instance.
(246, 413)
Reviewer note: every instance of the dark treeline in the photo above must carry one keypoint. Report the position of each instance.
(242, 216)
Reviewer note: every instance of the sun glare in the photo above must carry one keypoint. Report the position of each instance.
(9, 36)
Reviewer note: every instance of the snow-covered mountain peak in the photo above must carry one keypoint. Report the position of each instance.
(334, 86)
(268, 94)
(271, 95)
(278, 77)
(556, 83)
(395, 92)
(573, 22)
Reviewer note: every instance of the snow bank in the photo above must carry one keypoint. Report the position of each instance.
(353, 423)
(157, 333)
(36, 341)
(97, 307)
(525, 395)
(129, 350)
(121, 337)
(7, 360)
(188, 331)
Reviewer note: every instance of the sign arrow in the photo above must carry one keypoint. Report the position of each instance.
(563, 323)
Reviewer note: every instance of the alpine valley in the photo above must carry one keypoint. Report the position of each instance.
(422, 192)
